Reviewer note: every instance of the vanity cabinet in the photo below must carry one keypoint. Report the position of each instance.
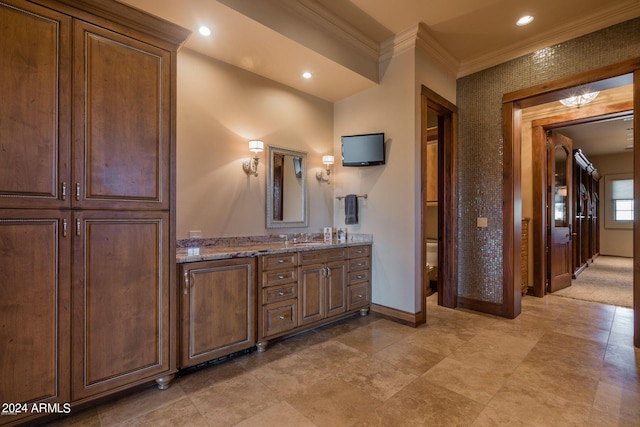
(323, 279)
(308, 288)
(359, 281)
(278, 301)
(218, 309)
(87, 140)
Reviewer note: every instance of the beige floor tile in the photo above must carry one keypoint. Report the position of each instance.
(373, 338)
(489, 417)
(556, 380)
(281, 414)
(142, 402)
(492, 351)
(85, 418)
(623, 354)
(436, 341)
(623, 376)
(423, 403)
(475, 383)
(179, 413)
(292, 374)
(229, 402)
(534, 406)
(376, 378)
(334, 403)
(409, 357)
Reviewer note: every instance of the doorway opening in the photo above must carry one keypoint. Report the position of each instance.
(438, 201)
(514, 105)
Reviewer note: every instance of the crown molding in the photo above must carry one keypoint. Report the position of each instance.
(312, 12)
(418, 37)
(590, 24)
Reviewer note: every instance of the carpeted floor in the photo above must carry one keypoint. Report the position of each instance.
(607, 280)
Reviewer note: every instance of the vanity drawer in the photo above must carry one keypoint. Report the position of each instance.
(323, 255)
(359, 264)
(271, 262)
(279, 293)
(359, 295)
(279, 277)
(359, 251)
(279, 317)
(359, 276)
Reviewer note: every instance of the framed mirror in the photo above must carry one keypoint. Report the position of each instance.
(286, 188)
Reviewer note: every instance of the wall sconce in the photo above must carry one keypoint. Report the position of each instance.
(328, 161)
(250, 166)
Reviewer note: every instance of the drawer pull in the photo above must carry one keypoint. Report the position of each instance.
(280, 261)
(359, 276)
(281, 317)
(281, 293)
(281, 277)
(360, 296)
(359, 264)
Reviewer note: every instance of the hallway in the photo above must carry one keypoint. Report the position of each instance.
(561, 362)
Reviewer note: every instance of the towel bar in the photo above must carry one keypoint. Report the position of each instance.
(364, 196)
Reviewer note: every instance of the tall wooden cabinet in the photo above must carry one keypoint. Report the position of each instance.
(87, 199)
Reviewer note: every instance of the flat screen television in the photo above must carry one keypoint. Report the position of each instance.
(363, 150)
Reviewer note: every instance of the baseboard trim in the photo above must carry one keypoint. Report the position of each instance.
(410, 319)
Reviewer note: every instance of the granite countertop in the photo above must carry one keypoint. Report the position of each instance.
(203, 252)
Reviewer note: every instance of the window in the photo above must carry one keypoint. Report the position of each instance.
(622, 197)
(618, 203)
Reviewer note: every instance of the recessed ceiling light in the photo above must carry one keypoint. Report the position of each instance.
(204, 30)
(525, 20)
(307, 75)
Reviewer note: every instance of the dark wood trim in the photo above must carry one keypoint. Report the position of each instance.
(512, 212)
(600, 79)
(538, 225)
(636, 195)
(447, 196)
(399, 316)
(481, 306)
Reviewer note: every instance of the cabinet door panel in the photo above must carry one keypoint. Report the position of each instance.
(35, 112)
(121, 299)
(311, 297)
(34, 306)
(122, 89)
(336, 284)
(218, 309)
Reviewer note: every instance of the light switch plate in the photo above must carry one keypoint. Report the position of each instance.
(482, 222)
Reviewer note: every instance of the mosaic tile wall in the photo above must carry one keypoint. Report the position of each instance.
(480, 163)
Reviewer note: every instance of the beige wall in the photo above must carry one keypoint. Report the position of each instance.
(220, 108)
(392, 210)
(616, 242)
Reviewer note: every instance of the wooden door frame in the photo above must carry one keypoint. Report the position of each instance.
(512, 103)
(447, 199)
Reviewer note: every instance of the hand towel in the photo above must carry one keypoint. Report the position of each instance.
(351, 209)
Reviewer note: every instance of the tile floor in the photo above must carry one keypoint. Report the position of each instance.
(561, 362)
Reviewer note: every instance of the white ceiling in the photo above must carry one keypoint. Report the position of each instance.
(341, 40)
(602, 137)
